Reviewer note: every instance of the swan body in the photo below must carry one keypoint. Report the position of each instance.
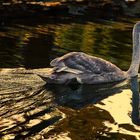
(78, 67)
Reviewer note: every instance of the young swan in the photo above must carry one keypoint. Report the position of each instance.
(78, 67)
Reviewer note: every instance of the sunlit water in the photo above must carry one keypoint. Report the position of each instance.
(30, 109)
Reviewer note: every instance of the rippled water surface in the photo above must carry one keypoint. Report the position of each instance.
(30, 109)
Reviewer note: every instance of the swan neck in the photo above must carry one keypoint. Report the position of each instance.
(134, 67)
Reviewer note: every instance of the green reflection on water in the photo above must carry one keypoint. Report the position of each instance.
(34, 46)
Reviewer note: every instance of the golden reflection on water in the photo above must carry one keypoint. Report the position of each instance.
(120, 108)
(58, 112)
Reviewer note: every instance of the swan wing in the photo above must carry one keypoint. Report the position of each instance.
(72, 62)
(78, 62)
(67, 69)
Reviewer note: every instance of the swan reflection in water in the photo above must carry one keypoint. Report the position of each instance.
(135, 100)
(79, 96)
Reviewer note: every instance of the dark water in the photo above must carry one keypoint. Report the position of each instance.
(29, 109)
(35, 45)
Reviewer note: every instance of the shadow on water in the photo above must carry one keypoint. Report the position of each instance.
(78, 96)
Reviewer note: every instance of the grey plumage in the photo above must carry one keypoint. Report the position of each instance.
(83, 68)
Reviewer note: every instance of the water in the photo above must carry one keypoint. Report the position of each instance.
(30, 109)
(35, 45)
